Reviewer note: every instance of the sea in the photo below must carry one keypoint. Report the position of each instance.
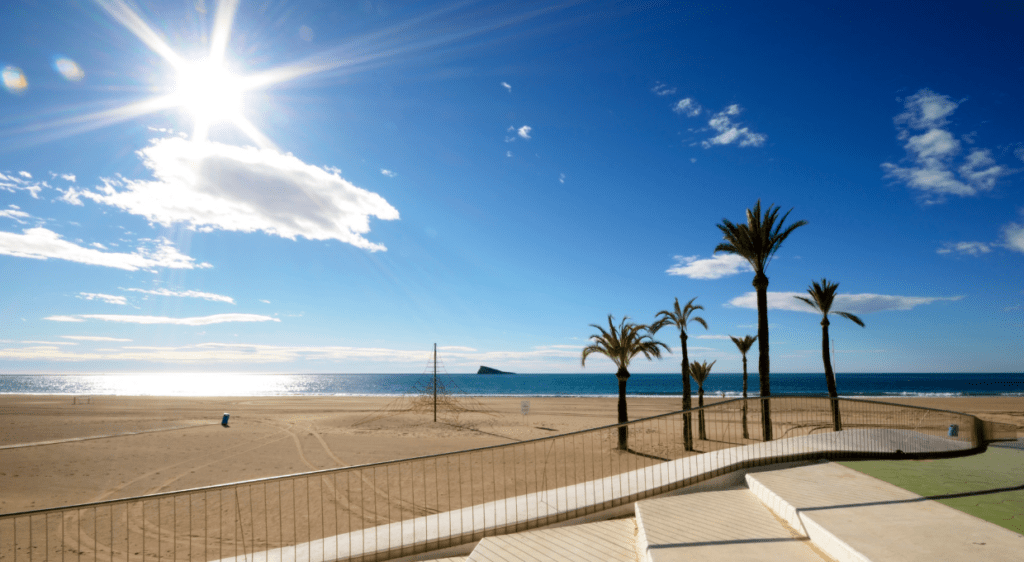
(524, 385)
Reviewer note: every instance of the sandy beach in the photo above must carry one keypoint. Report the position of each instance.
(55, 452)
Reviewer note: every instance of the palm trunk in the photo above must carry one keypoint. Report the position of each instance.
(623, 376)
(830, 377)
(761, 284)
(746, 433)
(687, 404)
(700, 413)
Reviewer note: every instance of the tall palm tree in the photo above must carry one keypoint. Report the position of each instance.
(757, 241)
(621, 345)
(744, 346)
(821, 300)
(700, 372)
(679, 319)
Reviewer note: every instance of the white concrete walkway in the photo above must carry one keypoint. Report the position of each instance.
(530, 510)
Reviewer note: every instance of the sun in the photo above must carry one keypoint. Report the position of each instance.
(209, 92)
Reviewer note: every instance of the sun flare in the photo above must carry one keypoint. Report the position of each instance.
(210, 93)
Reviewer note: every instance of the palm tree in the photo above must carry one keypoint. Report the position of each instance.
(744, 346)
(679, 319)
(700, 372)
(823, 296)
(757, 241)
(621, 345)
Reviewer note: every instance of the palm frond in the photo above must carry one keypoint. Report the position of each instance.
(623, 343)
(700, 371)
(744, 344)
(850, 317)
(759, 239)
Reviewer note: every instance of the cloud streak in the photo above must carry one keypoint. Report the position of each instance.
(186, 294)
(855, 303)
(192, 321)
(715, 267)
(43, 244)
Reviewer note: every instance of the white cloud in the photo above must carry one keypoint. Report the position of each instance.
(15, 214)
(1019, 152)
(187, 294)
(71, 196)
(109, 299)
(245, 189)
(662, 90)
(93, 338)
(714, 267)
(68, 177)
(711, 337)
(933, 152)
(561, 178)
(687, 107)
(968, 248)
(388, 173)
(507, 86)
(192, 321)
(524, 131)
(264, 301)
(926, 110)
(41, 244)
(21, 182)
(508, 153)
(857, 304)
(729, 132)
(1013, 236)
(63, 319)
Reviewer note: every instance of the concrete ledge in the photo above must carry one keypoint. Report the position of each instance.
(853, 517)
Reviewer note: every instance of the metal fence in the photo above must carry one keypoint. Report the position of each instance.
(393, 509)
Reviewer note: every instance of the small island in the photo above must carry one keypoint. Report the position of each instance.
(489, 371)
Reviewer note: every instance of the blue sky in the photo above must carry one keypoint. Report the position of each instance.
(195, 186)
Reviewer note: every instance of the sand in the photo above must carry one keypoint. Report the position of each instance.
(55, 452)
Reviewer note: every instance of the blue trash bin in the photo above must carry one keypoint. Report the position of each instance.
(954, 430)
(224, 421)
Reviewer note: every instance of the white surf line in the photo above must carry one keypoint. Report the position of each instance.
(75, 439)
(526, 511)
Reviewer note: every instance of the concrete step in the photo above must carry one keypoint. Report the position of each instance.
(856, 518)
(601, 541)
(727, 525)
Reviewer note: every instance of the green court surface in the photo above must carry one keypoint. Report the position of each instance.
(970, 484)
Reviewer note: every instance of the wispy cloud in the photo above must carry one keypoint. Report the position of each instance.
(21, 181)
(660, 89)
(730, 132)
(109, 299)
(187, 294)
(388, 173)
(687, 107)
(855, 303)
(1013, 236)
(932, 154)
(94, 338)
(15, 213)
(714, 267)
(42, 244)
(524, 131)
(208, 185)
(561, 178)
(507, 86)
(727, 130)
(711, 337)
(965, 248)
(192, 321)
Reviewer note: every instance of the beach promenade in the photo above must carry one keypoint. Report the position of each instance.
(569, 481)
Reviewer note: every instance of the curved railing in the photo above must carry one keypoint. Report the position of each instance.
(404, 507)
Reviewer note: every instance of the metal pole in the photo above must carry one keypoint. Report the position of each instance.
(435, 383)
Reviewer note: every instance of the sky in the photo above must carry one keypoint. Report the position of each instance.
(334, 187)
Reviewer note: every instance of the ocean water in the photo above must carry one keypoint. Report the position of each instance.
(718, 384)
